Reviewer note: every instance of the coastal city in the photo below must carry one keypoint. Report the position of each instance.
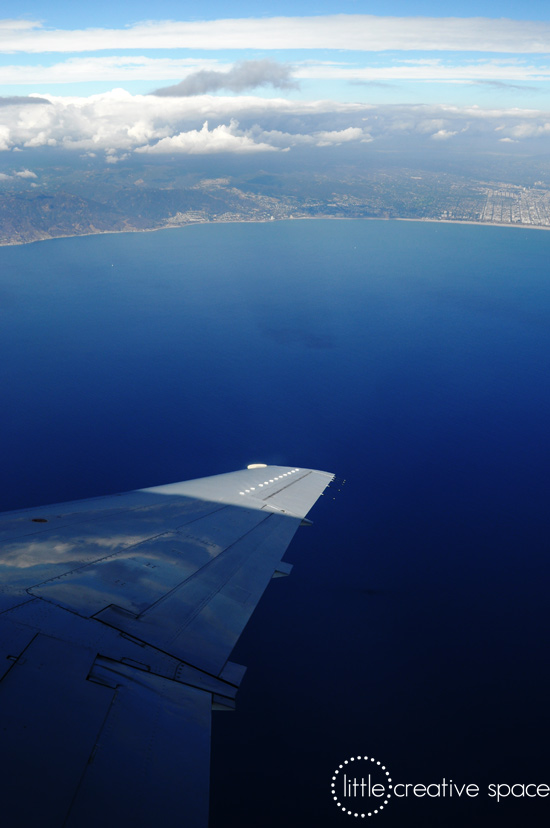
(40, 205)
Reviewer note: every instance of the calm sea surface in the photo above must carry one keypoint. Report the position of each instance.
(411, 359)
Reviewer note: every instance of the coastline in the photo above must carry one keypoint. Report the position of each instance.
(286, 218)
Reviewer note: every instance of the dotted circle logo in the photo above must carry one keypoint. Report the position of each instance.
(361, 786)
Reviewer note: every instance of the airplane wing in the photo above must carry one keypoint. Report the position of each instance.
(118, 615)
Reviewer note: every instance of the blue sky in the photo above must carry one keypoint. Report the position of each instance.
(103, 12)
(469, 69)
(288, 70)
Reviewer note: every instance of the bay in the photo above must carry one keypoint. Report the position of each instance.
(411, 359)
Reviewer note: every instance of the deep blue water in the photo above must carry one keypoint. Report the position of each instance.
(412, 359)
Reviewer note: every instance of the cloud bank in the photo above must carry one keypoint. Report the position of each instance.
(118, 123)
(201, 76)
(356, 32)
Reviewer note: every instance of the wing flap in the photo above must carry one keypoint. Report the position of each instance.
(45, 736)
(90, 742)
(201, 621)
(150, 764)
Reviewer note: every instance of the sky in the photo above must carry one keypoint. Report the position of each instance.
(142, 78)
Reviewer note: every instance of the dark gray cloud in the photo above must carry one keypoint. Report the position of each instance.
(18, 100)
(246, 74)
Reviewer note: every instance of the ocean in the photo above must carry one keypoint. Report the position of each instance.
(411, 359)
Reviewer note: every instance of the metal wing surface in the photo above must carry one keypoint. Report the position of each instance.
(118, 615)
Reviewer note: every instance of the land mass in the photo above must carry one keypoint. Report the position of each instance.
(54, 202)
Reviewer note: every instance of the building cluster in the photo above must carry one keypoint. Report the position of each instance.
(517, 205)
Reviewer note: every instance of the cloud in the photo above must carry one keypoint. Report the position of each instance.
(108, 68)
(111, 156)
(529, 129)
(244, 75)
(358, 32)
(5, 138)
(337, 137)
(223, 138)
(478, 71)
(443, 134)
(21, 100)
(123, 122)
(319, 138)
(202, 75)
(498, 84)
(19, 174)
(116, 123)
(371, 83)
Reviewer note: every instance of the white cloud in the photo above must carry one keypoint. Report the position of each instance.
(222, 138)
(327, 139)
(26, 174)
(114, 68)
(111, 156)
(5, 137)
(430, 70)
(198, 76)
(443, 134)
(360, 32)
(321, 138)
(528, 129)
(117, 122)
(124, 122)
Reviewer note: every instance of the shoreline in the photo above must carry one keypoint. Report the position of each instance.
(288, 218)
